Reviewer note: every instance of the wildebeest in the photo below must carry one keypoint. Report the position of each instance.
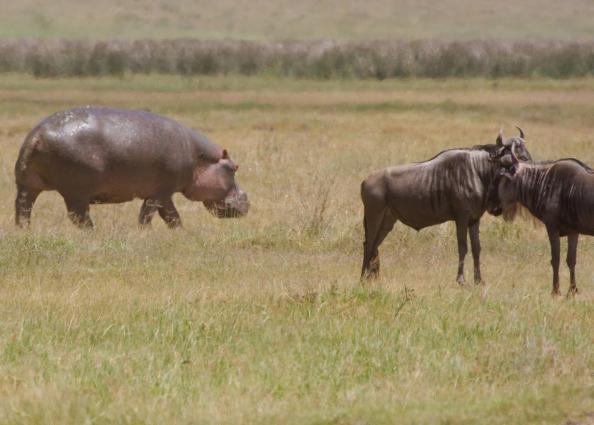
(96, 155)
(560, 194)
(456, 185)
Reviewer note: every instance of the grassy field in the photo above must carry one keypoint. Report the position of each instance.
(263, 319)
(307, 19)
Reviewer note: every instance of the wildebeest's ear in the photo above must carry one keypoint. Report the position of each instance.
(499, 139)
(225, 154)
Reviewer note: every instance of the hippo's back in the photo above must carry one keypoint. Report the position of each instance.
(110, 153)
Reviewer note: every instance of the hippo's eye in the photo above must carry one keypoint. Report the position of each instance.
(232, 168)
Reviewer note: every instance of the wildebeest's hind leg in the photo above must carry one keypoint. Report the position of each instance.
(78, 211)
(572, 242)
(377, 226)
(555, 256)
(168, 213)
(475, 244)
(462, 236)
(24, 204)
(147, 211)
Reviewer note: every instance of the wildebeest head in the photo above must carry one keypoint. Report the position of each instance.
(507, 189)
(504, 158)
(504, 146)
(214, 185)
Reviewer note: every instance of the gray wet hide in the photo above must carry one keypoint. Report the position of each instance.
(97, 155)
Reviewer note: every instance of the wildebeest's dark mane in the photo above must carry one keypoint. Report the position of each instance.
(491, 149)
(585, 166)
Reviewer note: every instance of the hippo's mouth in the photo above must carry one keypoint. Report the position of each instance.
(234, 206)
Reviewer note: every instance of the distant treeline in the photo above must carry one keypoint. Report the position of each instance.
(321, 59)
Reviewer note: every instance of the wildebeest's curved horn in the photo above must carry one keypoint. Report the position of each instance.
(507, 143)
(499, 139)
(521, 132)
(513, 154)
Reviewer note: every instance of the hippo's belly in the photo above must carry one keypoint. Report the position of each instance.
(113, 198)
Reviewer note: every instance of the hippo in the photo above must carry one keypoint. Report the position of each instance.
(100, 155)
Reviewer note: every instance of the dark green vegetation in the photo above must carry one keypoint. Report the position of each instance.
(322, 59)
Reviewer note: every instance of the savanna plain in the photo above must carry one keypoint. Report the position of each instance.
(263, 319)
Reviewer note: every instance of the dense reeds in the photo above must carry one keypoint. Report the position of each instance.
(320, 59)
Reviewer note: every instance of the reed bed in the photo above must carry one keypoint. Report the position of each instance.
(324, 59)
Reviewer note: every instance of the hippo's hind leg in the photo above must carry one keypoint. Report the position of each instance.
(147, 211)
(24, 204)
(168, 212)
(78, 211)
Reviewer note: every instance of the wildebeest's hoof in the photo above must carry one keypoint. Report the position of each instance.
(460, 280)
(555, 293)
(572, 291)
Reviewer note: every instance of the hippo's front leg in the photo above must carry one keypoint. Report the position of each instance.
(168, 213)
(147, 211)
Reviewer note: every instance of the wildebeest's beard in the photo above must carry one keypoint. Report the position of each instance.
(493, 201)
(515, 210)
(510, 211)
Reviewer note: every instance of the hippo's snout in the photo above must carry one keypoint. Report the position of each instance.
(235, 205)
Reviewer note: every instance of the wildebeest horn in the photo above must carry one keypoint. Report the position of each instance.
(513, 154)
(521, 132)
(499, 140)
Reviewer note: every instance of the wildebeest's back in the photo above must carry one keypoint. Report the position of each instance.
(440, 189)
(564, 193)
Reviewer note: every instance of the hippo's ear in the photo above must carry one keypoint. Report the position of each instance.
(225, 154)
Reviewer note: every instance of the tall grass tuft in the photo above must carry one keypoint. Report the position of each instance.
(323, 59)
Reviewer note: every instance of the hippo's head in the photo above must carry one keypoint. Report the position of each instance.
(214, 184)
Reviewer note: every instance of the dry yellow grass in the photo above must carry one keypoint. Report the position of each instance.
(263, 320)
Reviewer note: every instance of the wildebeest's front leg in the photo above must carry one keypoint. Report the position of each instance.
(24, 204)
(462, 235)
(147, 211)
(555, 255)
(168, 212)
(78, 211)
(572, 242)
(475, 244)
